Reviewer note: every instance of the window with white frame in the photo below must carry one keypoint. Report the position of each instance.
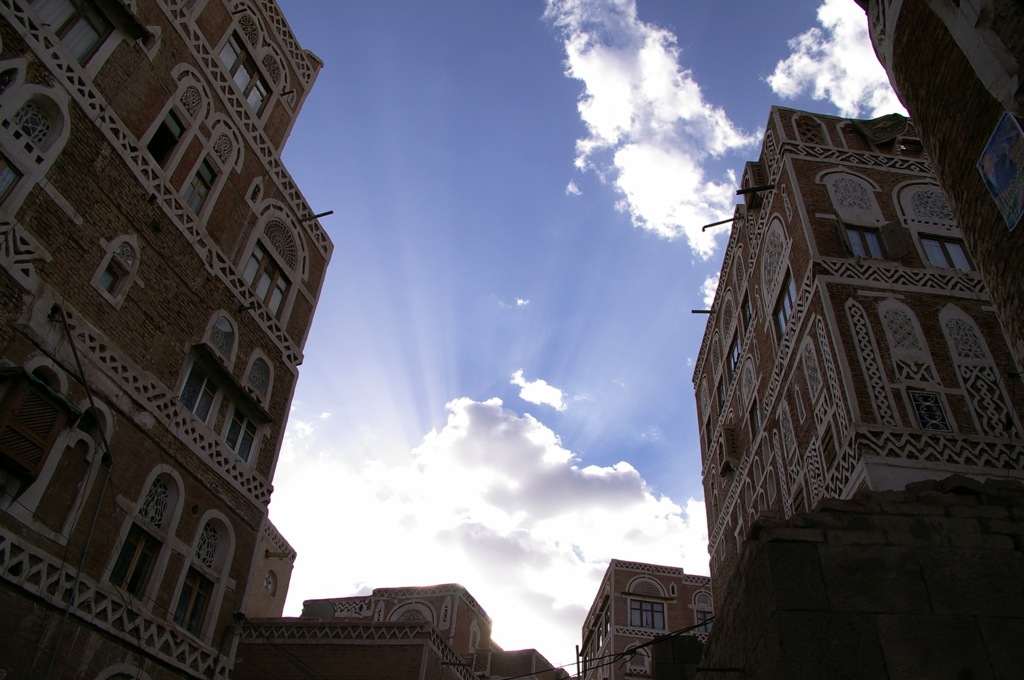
(735, 351)
(784, 305)
(266, 278)
(199, 188)
(199, 392)
(946, 253)
(865, 242)
(117, 270)
(79, 24)
(137, 558)
(166, 137)
(703, 617)
(9, 176)
(197, 589)
(240, 434)
(930, 411)
(647, 614)
(243, 71)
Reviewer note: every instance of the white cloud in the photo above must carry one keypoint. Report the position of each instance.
(538, 391)
(492, 501)
(649, 128)
(571, 189)
(837, 63)
(520, 302)
(709, 288)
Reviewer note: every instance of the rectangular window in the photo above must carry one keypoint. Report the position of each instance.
(199, 188)
(784, 305)
(746, 312)
(241, 434)
(266, 279)
(643, 614)
(134, 562)
(721, 396)
(865, 242)
(198, 393)
(703, 620)
(165, 138)
(9, 176)
(78, 23)
(931, 415)
(192, 603)
(242, 68)
(735, 350)
(755, 420)
(946, 253)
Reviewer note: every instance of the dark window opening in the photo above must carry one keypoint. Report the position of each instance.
(165, 138)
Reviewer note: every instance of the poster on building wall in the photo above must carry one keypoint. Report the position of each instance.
(1002, 167)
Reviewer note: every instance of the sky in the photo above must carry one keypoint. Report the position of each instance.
(497, 388)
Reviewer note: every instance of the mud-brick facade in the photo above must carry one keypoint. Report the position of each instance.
(957, 68)
(636, 605)
(430, 632)
(852, 343)
(160, 270)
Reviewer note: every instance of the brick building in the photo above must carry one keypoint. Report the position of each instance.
(851, 344)
(635, 605)
(957, 68)
(160, 272)
(438, 632)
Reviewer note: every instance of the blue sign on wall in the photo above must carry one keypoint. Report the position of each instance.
(1002, 167)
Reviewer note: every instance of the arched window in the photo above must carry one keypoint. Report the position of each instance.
(978, 375)
(259, 377)
(118, 268)
(140, 553)
(222, 337)
(201, 587)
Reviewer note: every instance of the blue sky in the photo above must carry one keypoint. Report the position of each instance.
(497, 389)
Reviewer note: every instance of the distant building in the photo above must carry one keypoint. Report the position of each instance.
(160, 270)
(416, 632)
(637, 604)
(852, 343)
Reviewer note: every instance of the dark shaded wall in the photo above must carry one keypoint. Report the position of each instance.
(922, 583)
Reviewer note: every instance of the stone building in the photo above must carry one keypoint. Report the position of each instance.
(438, 632)
(160, 272)
(957, 68)
(637, 604)
(851, 344)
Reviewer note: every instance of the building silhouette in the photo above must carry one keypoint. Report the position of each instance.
(852, 344)
(160, 273)
(638, 607)
(414, 632)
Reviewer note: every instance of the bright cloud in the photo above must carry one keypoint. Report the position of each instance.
(572, 189)
(836, 63)
(649, 128)
(492, 501)
(709, 288)
(538, 392)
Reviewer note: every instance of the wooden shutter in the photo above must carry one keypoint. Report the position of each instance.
(31, 417)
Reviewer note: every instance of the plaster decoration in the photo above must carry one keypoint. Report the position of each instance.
(154, 507)
(832, 376)
(222, 148)
(57, 583)
(928, 203)
(280, 237)
(867, 352)
(896, 277)
(191, 100)
(965, 340)
(19, 254)
(811, 371)
(771, 263)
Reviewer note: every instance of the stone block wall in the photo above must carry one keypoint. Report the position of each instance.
(922, 583)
